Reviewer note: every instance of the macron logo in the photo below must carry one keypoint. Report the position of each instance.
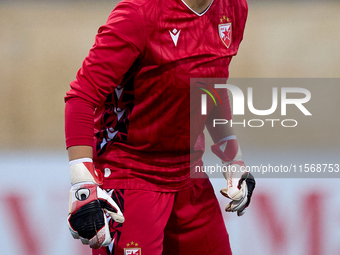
(174, 35)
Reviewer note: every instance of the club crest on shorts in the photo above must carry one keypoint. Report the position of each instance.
(132, 249)
(225, 30)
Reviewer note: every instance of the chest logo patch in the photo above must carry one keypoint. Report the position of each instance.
(224, 30)
(174, 35)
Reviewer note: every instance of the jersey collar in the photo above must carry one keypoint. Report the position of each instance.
(198, 14)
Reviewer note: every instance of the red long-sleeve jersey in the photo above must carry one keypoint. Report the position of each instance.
(130, 100)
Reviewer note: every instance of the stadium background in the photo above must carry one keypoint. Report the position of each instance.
(42, 45)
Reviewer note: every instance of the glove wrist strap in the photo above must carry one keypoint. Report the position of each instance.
(228, 150)
(82, 170)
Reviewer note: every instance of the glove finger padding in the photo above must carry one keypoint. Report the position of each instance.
(99, 238)
(250, 181)
(102, 237)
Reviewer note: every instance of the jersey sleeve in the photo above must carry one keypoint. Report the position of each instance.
(117, 46)
(223, 110)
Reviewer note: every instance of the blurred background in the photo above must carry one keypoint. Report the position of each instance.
(42, 45)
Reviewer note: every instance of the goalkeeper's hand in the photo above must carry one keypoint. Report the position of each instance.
(88, 203)
(240, 184)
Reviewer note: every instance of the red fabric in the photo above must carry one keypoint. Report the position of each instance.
(136, 80)
(186, 222)
(78, 122)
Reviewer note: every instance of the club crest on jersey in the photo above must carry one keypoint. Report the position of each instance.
(224, 30)
(132, 249)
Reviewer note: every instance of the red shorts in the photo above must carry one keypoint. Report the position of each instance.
(168, 223)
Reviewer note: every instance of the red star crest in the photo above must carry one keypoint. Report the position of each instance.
(225, 31)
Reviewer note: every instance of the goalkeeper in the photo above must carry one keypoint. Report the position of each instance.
(127, 125)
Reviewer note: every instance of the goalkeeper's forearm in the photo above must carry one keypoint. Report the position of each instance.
(79, 151)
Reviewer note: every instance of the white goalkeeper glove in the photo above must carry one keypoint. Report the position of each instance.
(240, 184)
(88, 204)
